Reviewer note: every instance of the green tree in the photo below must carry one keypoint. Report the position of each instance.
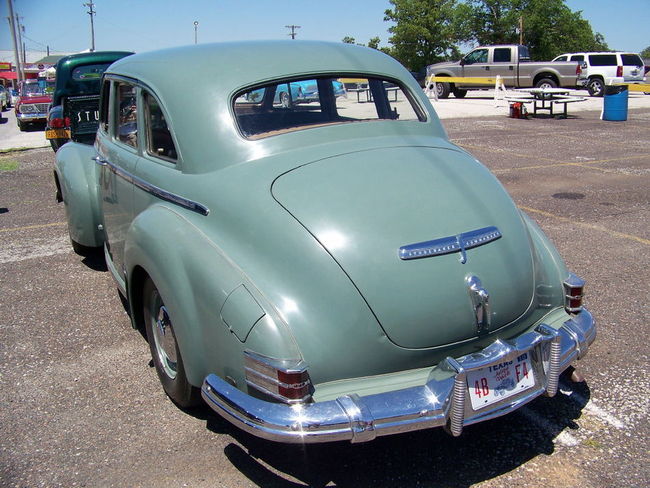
(374, 42)
(349, 40)
(423, 32)
(645, 54)
(549, 26)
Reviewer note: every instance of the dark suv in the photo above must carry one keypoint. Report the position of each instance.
(74, 114)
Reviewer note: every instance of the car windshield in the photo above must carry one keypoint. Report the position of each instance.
(31, 89)
(291, 105)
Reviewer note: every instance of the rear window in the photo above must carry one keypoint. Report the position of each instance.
(89, 72)
(602, 59)
(631, 60)
(292, 105)
(502, 55)
(578, 57)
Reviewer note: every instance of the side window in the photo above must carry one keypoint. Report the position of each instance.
(602, 59)
(477, 56)
(578, 57)
(160, 142)
(104, 106)
(502, 55)
(126, 129)
(561, 58)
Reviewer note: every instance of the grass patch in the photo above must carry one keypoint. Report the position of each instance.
(593, 443)
(15, 149)
(9, 165)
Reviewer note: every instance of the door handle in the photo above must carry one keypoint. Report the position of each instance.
(511, 68)
(100, 161)
(487, 68)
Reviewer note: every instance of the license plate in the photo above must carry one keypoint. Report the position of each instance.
(57, 134)
(498, 381)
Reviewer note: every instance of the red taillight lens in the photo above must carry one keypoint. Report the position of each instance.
(578, 69)
(619, 71)
(66, 121)
(56, 123)
(286, 380)
(573, 293)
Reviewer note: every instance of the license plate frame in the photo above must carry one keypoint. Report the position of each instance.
(499, 381)
(57, 134)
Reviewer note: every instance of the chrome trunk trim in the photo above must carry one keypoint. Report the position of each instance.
(446, 245)
(438, 403)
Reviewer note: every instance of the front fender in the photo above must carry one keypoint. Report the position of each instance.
(78, 180)
(196, 279)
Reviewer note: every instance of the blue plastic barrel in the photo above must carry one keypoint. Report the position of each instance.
(615, 103)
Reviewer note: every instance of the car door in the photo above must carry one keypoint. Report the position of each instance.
(118, 154)
(503, 65)
(475, 64)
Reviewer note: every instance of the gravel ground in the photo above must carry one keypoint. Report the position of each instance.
(80, 404)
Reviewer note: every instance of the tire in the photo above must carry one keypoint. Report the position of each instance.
(164, 349)
(443, 89)
(546, 83)
(596, 87)
(285, 100)
(21, 126)
(82, 250)
(459, 92)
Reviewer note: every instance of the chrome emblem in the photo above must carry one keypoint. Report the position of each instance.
(446, 245)
(480, 303)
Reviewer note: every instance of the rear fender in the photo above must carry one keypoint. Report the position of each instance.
(196, 279)
(77, 179)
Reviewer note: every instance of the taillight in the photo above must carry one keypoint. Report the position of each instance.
(66, 121)
(286, 380)
(578, 69)
(57, 123)
(619, 71)
(573, 293)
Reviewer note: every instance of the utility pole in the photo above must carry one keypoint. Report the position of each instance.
(521, 29)
(293, 30)
(196, 27)
(92, 13)
(19, 66)
(20, 29)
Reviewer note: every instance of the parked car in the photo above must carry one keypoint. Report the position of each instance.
(601, 68)
(5, 98)
(13, 96)
(33, 102)
(511, 62)
(327, 271)
(74, 113)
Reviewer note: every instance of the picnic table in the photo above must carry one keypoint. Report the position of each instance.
(364, 89)
(545, 98)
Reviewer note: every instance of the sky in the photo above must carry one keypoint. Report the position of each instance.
(145, 25)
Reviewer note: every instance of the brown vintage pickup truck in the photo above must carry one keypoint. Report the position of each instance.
(512, 63)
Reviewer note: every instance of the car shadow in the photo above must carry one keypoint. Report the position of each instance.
(94, 259)
(425, 458)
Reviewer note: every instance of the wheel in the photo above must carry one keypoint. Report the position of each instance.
(596, 87)
(443, 89)
(546, 83)
(285, 100)
(164, 349)
(459, 92)
(22, 126)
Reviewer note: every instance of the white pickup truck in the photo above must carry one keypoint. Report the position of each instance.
(512, 63)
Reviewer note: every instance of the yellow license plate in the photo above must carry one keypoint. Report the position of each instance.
(57, 134)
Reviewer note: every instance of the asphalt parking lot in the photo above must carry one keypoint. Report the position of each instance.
(81, 405)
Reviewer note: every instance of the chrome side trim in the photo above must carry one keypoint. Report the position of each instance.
(441, 402)
(152, 189)
(446, 245)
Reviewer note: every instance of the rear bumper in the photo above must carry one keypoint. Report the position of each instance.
(439, 403)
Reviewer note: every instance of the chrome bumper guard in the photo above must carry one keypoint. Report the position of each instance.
(438, 403)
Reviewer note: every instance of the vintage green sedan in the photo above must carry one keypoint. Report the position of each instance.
(323, 271)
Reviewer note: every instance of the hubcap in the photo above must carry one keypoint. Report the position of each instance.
(165, 342)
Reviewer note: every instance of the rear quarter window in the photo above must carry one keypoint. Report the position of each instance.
(631, 60)
(602, 60)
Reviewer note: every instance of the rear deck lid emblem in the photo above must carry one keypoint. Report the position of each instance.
(446, 245)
